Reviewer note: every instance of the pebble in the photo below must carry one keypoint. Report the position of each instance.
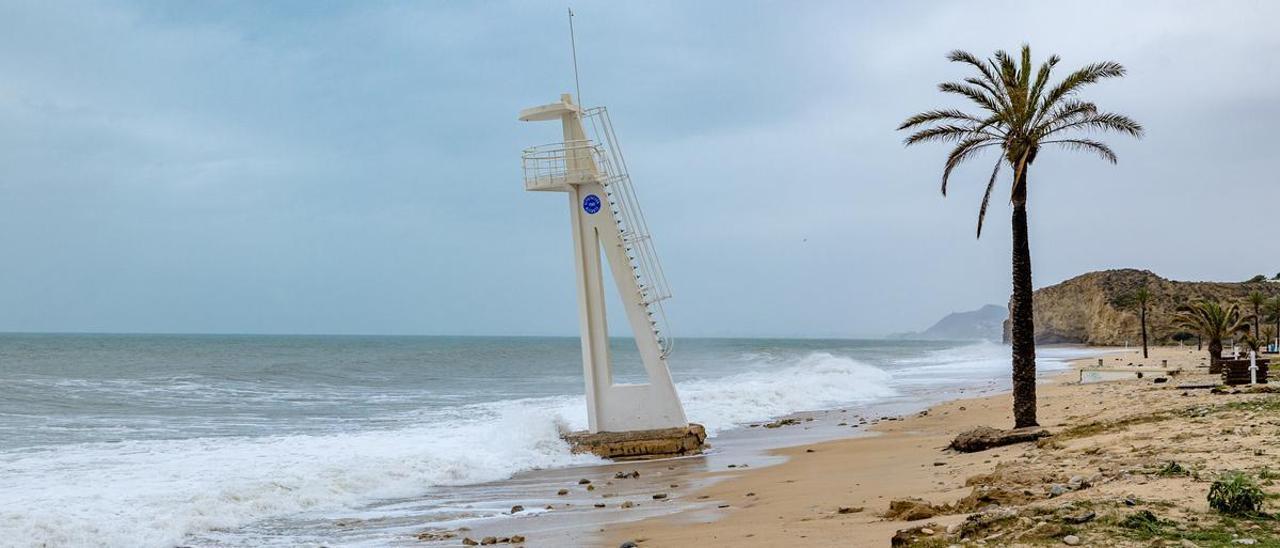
(849, 509)
(628, 504)
(486, 541)
(517, 509)
(628, 544)
(517, 539)
(926, 531)
(659, 496)
(562, 492)
(469, 542)
(1071, 540)
(599, 505)
(584, 481)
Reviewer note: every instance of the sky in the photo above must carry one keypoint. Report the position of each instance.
(354, 167)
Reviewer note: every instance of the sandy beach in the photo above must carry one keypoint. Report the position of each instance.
(1109, 458)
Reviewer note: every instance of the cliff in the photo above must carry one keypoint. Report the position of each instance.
(1091, 308)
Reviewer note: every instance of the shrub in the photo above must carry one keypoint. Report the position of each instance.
(1143, 521)
(1237, 494)
(1173, 469)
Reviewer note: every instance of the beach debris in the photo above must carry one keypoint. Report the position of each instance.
(809, 451)
(517, 509)
(986, 437)
(659, 496)
(599, 505)
(911, 509)
(752, 494)
(723, 506)
(434, 535)
(1078, 519)
(906, 537)
(849, 509)
(634, 474)
(1071, 540)
(782, 422)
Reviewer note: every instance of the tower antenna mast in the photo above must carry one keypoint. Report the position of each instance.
(573, 46)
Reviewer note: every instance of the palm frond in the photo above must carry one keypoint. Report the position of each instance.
(943, 133)
(986, 196)
(974, 94)
(959, 56)
(1087, 145)
(1100, 121)
(938, 116)
(963, 151)
(1042, 79)
(1087, 75)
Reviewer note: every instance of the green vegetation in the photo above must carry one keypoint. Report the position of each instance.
(1236, 494)
(1256, 300)
(1019, 112)
(1173, 469)
(1213, 322)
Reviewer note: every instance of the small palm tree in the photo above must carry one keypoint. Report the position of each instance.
(1141, 299)
(1213, 322)
(1020, 112)
(1257, 300)
(1272, 311)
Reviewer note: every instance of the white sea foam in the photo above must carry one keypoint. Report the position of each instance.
(816, 381)
(155, 492)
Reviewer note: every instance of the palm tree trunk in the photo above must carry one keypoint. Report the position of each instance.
(1257, 321)
(1020, 316)
(1215, 351)
(1144, 332)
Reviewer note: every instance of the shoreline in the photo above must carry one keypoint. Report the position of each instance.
(582, 517)
(838, 491)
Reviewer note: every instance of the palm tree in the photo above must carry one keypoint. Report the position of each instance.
(1020, 111)
(1213, 322)
(1257, 300)
(1142, 298)
(1272, 310)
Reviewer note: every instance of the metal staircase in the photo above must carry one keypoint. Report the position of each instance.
(646, 268)
(557, 166)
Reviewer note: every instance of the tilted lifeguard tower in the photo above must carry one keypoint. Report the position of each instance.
(625, 420)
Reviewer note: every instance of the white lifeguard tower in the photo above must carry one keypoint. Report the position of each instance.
(625, 420)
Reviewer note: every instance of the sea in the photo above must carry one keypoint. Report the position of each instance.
(228, 440)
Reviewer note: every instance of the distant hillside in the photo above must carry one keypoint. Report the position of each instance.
(982, 324)
(1090, 308)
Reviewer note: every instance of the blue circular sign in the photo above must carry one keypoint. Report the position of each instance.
(591, 204)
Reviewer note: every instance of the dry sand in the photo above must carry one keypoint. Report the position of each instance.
(1116, 436)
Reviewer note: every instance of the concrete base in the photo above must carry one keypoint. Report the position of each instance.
(640, 444)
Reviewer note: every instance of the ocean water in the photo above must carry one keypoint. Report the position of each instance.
(165, 440)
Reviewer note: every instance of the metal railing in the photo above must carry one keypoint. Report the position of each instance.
(556, 165)
(638, 244)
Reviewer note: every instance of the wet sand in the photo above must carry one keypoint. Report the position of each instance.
(1118, 435)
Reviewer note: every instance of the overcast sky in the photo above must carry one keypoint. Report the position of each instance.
(353, 167)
